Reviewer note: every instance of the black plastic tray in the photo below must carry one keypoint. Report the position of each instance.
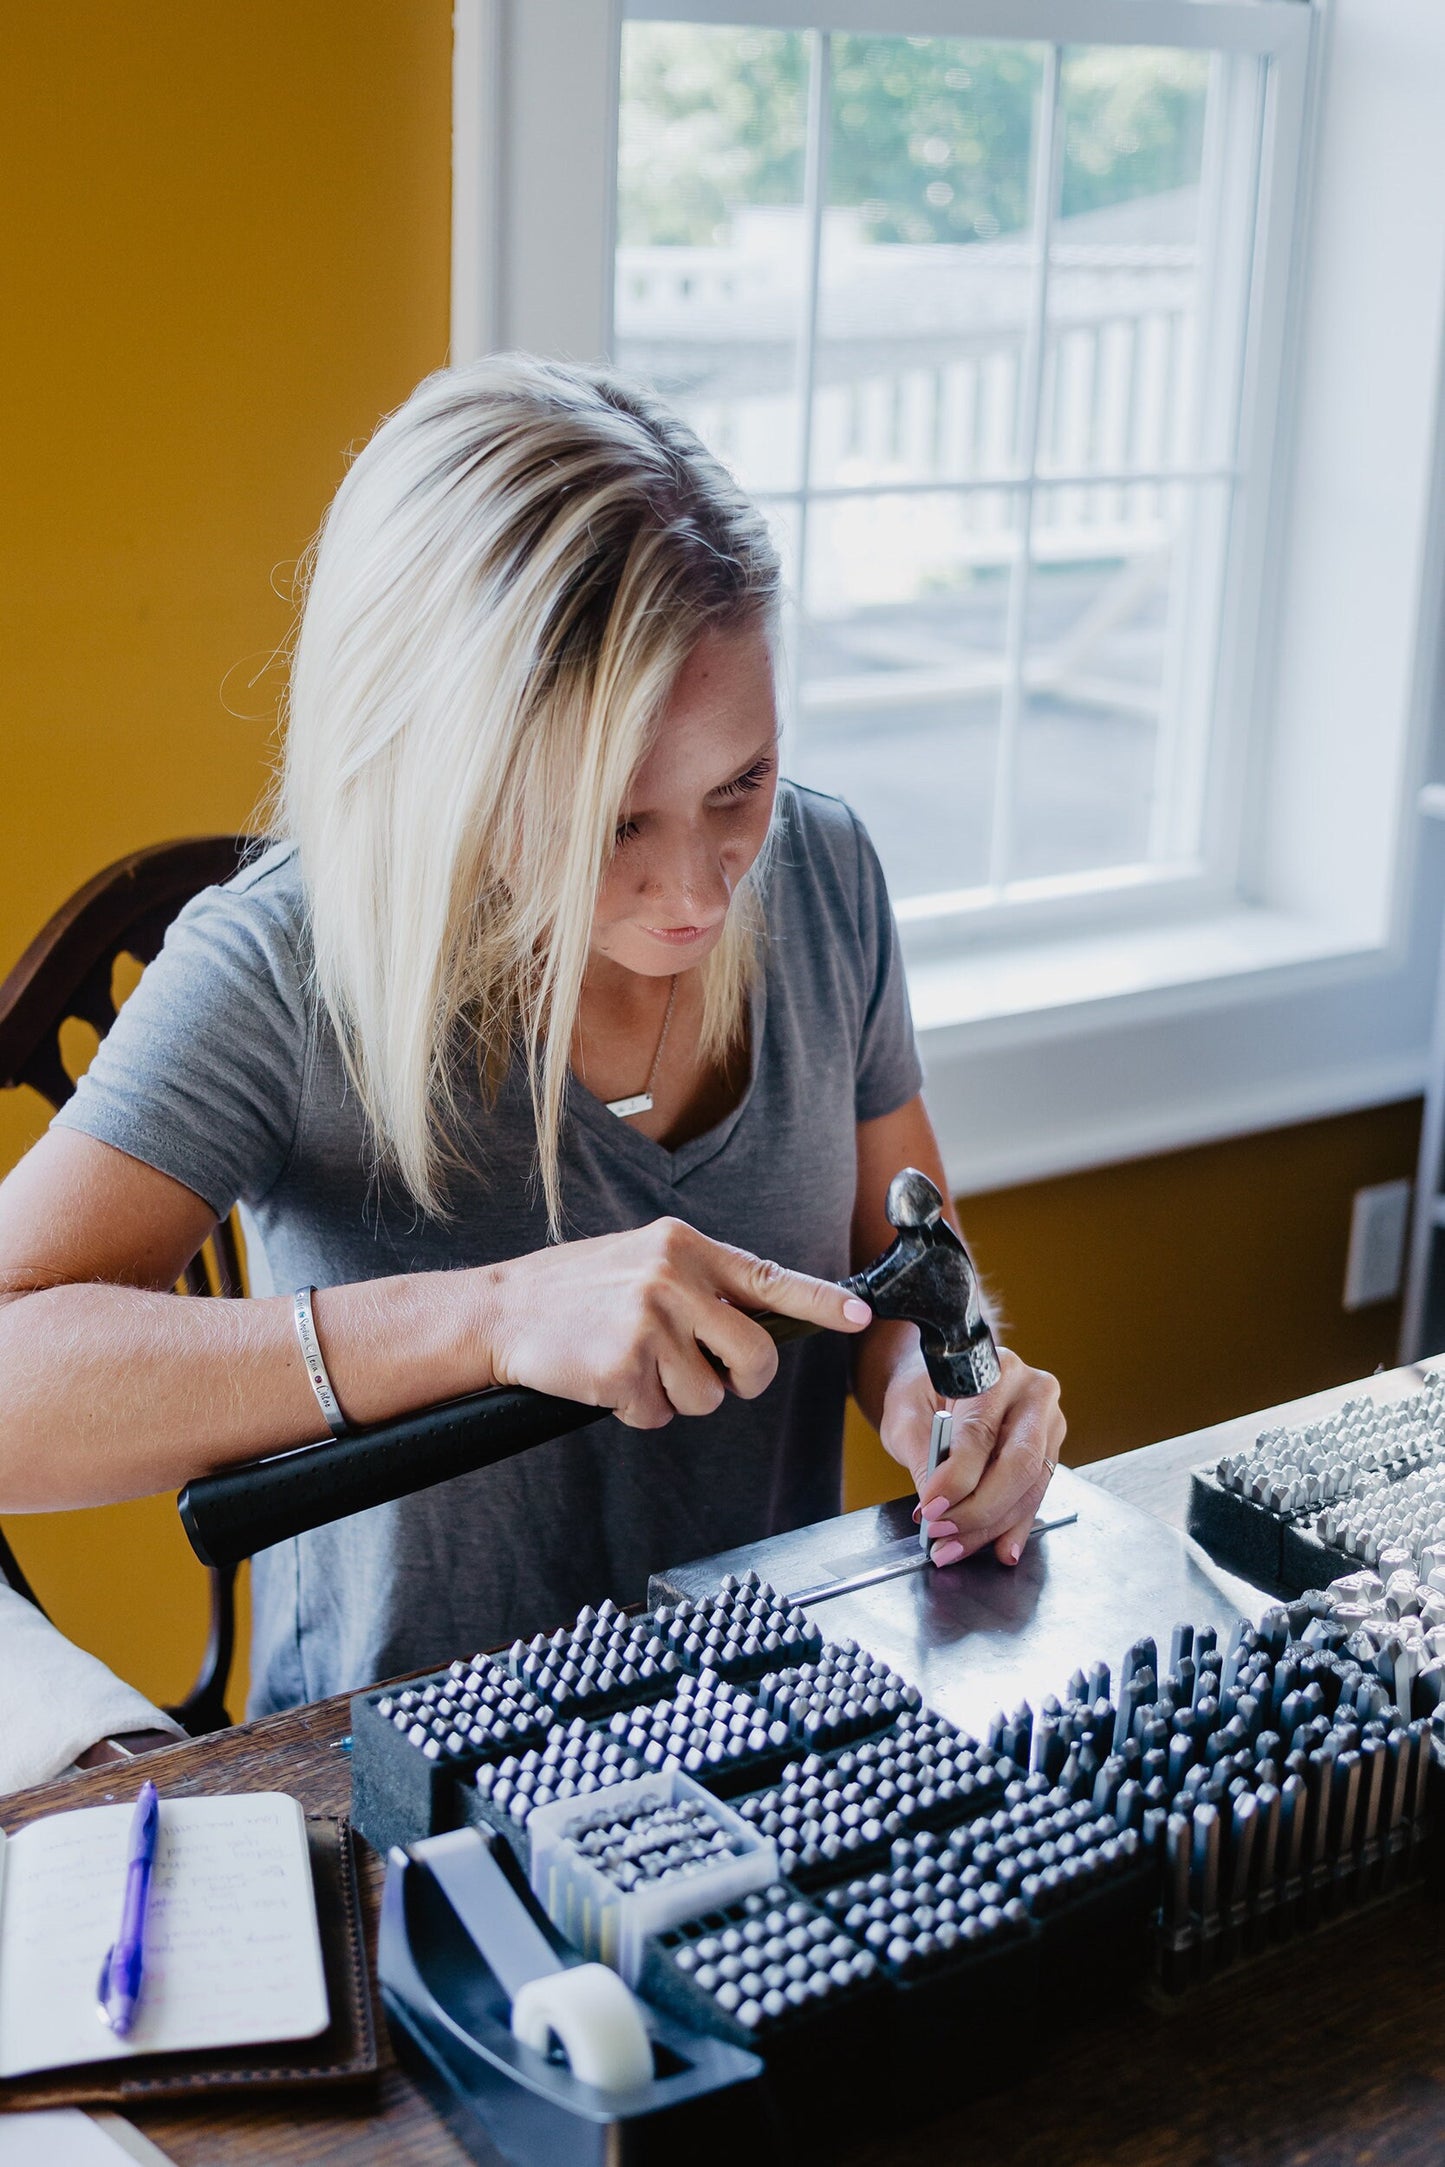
(1283, 1555)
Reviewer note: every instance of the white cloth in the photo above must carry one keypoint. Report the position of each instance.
(55, 1700)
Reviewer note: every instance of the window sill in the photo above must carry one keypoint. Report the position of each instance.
(1012, 993)
(1171, 1035)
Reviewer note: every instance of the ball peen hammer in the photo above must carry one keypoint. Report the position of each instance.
(925, 1277)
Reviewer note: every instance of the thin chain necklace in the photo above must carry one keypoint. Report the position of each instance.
(641, 1101)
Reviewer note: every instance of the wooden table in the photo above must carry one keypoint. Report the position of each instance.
(1329, 2052)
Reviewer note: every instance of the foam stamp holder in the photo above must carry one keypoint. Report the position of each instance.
(809, 1886)
(1303, 1506)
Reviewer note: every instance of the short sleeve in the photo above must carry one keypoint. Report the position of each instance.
(200, 1075)
(889, 1071)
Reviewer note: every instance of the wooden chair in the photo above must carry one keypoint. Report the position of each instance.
(68, 971)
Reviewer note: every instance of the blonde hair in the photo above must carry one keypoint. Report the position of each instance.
(500, 599)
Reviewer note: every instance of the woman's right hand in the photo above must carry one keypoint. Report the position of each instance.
(628, 1321)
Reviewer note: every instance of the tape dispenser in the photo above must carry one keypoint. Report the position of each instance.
(531, 2054)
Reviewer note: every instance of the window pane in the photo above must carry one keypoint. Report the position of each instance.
(900, 665)
(1108, 696)
(711, 240)
(927, 260)
(1124, 264)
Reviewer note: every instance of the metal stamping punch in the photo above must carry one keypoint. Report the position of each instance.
(940, 1444)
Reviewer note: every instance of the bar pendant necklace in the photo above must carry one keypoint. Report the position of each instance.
(641, 1101)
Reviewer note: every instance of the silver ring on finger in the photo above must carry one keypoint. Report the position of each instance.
(1051, 1468)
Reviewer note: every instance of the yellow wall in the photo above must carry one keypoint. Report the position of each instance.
(223, 256)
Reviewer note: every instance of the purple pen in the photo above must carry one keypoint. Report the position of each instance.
(118, 1990)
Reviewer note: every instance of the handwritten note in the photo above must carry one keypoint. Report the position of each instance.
(233, 1953)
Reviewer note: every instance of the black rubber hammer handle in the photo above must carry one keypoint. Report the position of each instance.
(244, 1509)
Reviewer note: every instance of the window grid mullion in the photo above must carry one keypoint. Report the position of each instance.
(815, 195)
(1170, 821)
(1189, 746)
(1001, 839)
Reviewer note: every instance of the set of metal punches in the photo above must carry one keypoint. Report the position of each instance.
(853, 1854)
(1299, 1790)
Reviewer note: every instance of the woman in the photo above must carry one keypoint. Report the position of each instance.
(548, 1016)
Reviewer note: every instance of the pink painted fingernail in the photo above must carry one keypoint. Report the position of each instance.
(948, 1553)
(940, 1530)
(1015, 1552)
(917, 1514)
(934, 1508)
(857, 1312)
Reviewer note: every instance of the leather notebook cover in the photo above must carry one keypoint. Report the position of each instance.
(345, 2053)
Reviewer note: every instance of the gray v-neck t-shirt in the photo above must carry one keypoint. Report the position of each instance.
(221, 1073)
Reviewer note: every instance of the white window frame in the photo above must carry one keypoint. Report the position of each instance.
(1272, 990)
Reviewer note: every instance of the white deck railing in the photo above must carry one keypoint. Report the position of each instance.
(917, 385)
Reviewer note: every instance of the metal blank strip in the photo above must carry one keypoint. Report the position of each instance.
(905, 1560)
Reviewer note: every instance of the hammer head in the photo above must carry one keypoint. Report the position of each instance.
(927, 1278)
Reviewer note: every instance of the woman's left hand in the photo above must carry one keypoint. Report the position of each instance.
(1006, 1445)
